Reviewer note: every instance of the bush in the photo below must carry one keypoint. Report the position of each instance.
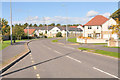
(59, 34)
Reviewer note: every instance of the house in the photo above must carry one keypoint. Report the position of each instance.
(98, 27)
(51, 31)
(31, 31)
(75, 30)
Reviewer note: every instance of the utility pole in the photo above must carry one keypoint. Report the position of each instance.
(28, 31)
(66, 22)
(11, 21)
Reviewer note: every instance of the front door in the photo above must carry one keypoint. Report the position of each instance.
(97, 35)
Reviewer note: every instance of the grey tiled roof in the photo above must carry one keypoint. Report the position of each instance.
(60, 27)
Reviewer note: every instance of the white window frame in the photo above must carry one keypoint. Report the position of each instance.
(89, 35)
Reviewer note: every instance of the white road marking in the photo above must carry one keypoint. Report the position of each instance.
(49, 48)
(57, 52)
(73, 59)
(38, 76)
(43, 46)
(106, 72)
(32, 61)
(69, 47)
(30, 55)
(31, 58)
(34, 67)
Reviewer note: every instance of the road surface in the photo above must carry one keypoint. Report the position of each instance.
(53, 60)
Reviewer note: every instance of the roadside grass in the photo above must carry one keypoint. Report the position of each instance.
(72, 40)
(111, 47)
(108, 53)
(100, 43)
(50, 37)
(6, 44)
(56, 40)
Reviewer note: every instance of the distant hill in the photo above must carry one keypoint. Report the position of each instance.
(116, 14)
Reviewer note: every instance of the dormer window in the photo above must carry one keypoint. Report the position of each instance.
(89, 27)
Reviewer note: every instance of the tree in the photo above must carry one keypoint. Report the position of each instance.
(30, 25)
(26, 24)
(59, 34)
(35, 25)
(40, 25)
(58, 25)
(52, 24)
(18, 32)
(5, 27)
(45, 24)
(116, 28)
(116, 14)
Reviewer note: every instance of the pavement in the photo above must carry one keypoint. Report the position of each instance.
(52, 60)
(12, 51)
(92, 46)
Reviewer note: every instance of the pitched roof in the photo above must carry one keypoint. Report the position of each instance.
(30, 31)
(97, 20)
(73, 26)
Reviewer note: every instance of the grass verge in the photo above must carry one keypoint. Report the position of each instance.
(7, 43)
(56, 40)
(100, 43)
(72, 40)
(108, 53)
(111, 47)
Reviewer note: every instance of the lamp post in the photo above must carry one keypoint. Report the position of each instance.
(11, 21)
(66, 24)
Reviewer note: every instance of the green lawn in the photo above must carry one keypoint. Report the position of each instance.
(6, 44)
(100, 43)
(111, 47)
(72, 40)
(50, 37)
(56, 40)
(108, 53)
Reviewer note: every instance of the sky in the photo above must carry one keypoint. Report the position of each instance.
(56, 12)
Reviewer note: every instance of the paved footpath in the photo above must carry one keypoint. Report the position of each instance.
(92, 46)
(13, 51)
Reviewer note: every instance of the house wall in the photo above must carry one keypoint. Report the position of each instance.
(53, 32)
(79, 40)
(107, 33)
(91, 31)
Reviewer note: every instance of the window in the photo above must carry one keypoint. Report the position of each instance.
(89, 35)
(97, 27)
(57, 30)
(89, 27)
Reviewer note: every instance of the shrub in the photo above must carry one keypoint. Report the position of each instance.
(59, 34)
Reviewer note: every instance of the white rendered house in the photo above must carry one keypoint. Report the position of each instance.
(99, 27)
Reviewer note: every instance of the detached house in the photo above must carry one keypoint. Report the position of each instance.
(31, 31)
(98, 27)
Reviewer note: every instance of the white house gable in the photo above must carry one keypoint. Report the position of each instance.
(108, 23)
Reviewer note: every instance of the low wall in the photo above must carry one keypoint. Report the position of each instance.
(115, 43)
(79, 40)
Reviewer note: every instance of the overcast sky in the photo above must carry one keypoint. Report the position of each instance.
(56, 12)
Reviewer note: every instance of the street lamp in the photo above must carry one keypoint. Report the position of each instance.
(66, 24)
(11, 21)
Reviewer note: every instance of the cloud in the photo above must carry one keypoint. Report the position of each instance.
(107, 14)
(32, 18)
(92, 13)
(62, 19)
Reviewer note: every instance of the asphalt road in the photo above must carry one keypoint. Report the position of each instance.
(53, 60)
